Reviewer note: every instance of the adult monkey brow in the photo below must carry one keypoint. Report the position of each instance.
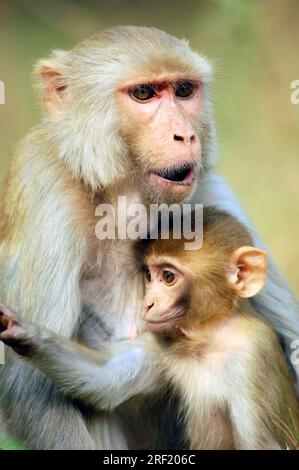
(160, 84)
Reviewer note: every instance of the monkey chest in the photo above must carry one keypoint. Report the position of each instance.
(113, 293)
(203, 382)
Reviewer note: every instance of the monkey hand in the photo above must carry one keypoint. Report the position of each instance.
(151, 344)
(151, 349)
(131, 368)
(15, 332)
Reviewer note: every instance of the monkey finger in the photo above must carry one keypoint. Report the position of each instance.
(6, 339)
(16, 338)
(3, 322)
(13, 335)
(7, 318)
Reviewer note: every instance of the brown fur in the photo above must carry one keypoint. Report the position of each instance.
(225, 361)
(57, 275)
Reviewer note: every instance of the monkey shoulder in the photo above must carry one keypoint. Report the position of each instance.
(239, 341)
(255, 345)
(259, 332)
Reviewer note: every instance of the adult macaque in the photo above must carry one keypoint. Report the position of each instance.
(225, 361)
(127, 113)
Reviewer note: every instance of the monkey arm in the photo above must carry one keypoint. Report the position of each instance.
(276, 301)
(102, 379)
(263, 405)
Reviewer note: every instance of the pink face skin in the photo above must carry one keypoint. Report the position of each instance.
(162, 124)
(165, 299)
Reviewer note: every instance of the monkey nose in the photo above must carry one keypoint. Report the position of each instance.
(185, 138)
(148, 307)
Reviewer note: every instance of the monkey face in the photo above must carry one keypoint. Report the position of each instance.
(165, 299)
(161, 132)
(130, 104)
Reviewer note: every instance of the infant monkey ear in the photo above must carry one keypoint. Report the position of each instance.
(247, 271)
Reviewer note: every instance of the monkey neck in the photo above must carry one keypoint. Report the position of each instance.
(208, 308)
(197, 329)
(124, 187)
(200, 329)
(243, 306)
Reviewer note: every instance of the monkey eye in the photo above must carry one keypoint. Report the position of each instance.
(147, 273)
(168, 276)
(143, 92)
(184, 89)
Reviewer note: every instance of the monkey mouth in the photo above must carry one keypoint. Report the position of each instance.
(182, 173)
(165, 327)
(168, 321)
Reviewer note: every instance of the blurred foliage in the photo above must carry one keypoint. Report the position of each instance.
(9, 444)
(255, 48)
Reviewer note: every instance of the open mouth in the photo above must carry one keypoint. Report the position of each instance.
(181, 173)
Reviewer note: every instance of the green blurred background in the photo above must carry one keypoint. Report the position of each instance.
(255, 48)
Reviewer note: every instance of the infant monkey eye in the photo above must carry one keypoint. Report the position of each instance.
(168, 276)
(147, 273)
(184, 89)
(143, 92)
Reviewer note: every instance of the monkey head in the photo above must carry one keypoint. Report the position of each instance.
(184, 288)
(130, 103)
(167, 292)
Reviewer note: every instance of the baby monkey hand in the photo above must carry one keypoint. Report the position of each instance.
(16, 333)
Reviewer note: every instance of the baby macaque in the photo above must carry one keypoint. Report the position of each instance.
(224, 360)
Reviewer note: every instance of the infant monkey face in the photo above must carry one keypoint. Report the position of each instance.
(165, 299)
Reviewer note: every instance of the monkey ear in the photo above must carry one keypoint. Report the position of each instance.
(49, 73)
(247, 271)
